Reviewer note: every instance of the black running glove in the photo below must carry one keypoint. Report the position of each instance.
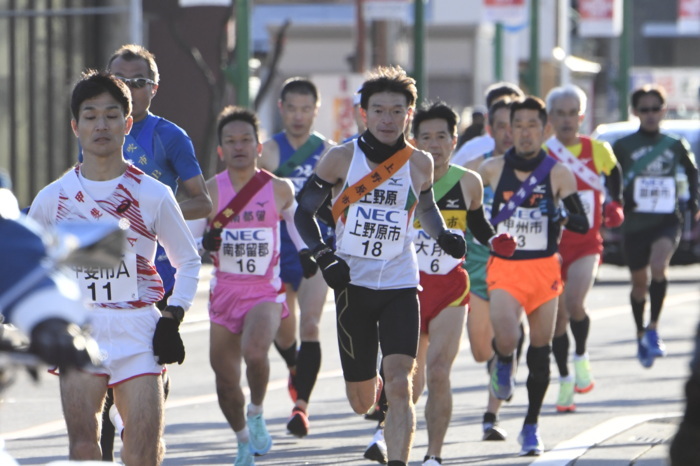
(553, 213)
(211, 241)
(167, 343)
(308, 263)
(452, 243)
(335, 270)
(62, 344)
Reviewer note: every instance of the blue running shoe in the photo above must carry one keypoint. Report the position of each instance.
(643, 355)
(530, 440)
(654, 345)
(260, 439)
(244, 456)
(502, 381)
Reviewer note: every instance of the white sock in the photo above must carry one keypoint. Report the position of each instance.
(242, 436)
(254, 410)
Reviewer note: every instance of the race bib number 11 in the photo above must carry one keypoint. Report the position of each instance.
(109, 285)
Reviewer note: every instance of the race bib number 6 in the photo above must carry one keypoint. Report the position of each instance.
(374, 232)
(109, 285)
(431, 258)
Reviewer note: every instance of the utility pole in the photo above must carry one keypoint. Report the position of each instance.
(498, 53)
(534, 66)
(361, 37)
(242, 68)
(419, 47)
(623, 78)
(563, 39)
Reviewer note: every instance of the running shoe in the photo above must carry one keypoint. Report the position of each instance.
(376, 450)
(432, 461)
(502, 380)
(298, 424)
(492, 432)
(244, 456)
(260, 439)
(565, 401)
(530, 440)
(643, 355)
(582, 369)
(654, 345)
(291, 386)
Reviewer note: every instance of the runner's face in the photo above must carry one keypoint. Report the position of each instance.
(239, 149)
(650, 112)
(500, 131)
(434, 137)
(101, 126)
(565, 118)
(298, 113)
(528, 132)
(141, 97)
(387, 115)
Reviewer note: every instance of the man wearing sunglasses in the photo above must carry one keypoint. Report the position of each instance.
(652, 227)
(164, 151)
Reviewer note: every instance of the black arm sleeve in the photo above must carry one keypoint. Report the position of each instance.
(691, 171)
(480, 228)
(578, 222)
(613, 182)
(310, 200)
(427, 212)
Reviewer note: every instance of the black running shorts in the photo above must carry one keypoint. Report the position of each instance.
(367, 317)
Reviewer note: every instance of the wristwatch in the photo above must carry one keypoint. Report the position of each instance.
(177, 312)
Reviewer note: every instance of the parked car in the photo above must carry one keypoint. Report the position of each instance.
(688, 251)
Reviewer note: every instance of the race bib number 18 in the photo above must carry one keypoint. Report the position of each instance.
(109, 285)
(374, 232)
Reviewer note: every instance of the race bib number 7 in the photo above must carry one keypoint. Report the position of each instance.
(655, 194)
(109, 285)
(374, 232)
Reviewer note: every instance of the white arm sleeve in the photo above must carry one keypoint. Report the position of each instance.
(181, 249)
(197, 228)
(288, 216)
(472, 149)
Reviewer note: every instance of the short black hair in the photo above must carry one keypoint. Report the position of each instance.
(502, 89)
(233, 113)
(529, 102)
(503, 102)
(437, 110)
(131, 52)
(299, 85)
(93, 83)
(648, 89)
(389, 79)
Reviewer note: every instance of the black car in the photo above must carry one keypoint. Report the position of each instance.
(688, 251)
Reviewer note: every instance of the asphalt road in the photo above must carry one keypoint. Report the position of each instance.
(628, 417)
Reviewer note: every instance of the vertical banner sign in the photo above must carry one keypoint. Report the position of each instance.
(505, 11)
(689, 16)
(600, 18)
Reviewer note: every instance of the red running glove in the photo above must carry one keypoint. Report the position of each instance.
(614, 215)
(503, 244)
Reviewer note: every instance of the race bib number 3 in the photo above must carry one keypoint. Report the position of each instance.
(431, 258)
(109, 285)
(374, 232)
(246, 251)
(655, 194)
(529, 228)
